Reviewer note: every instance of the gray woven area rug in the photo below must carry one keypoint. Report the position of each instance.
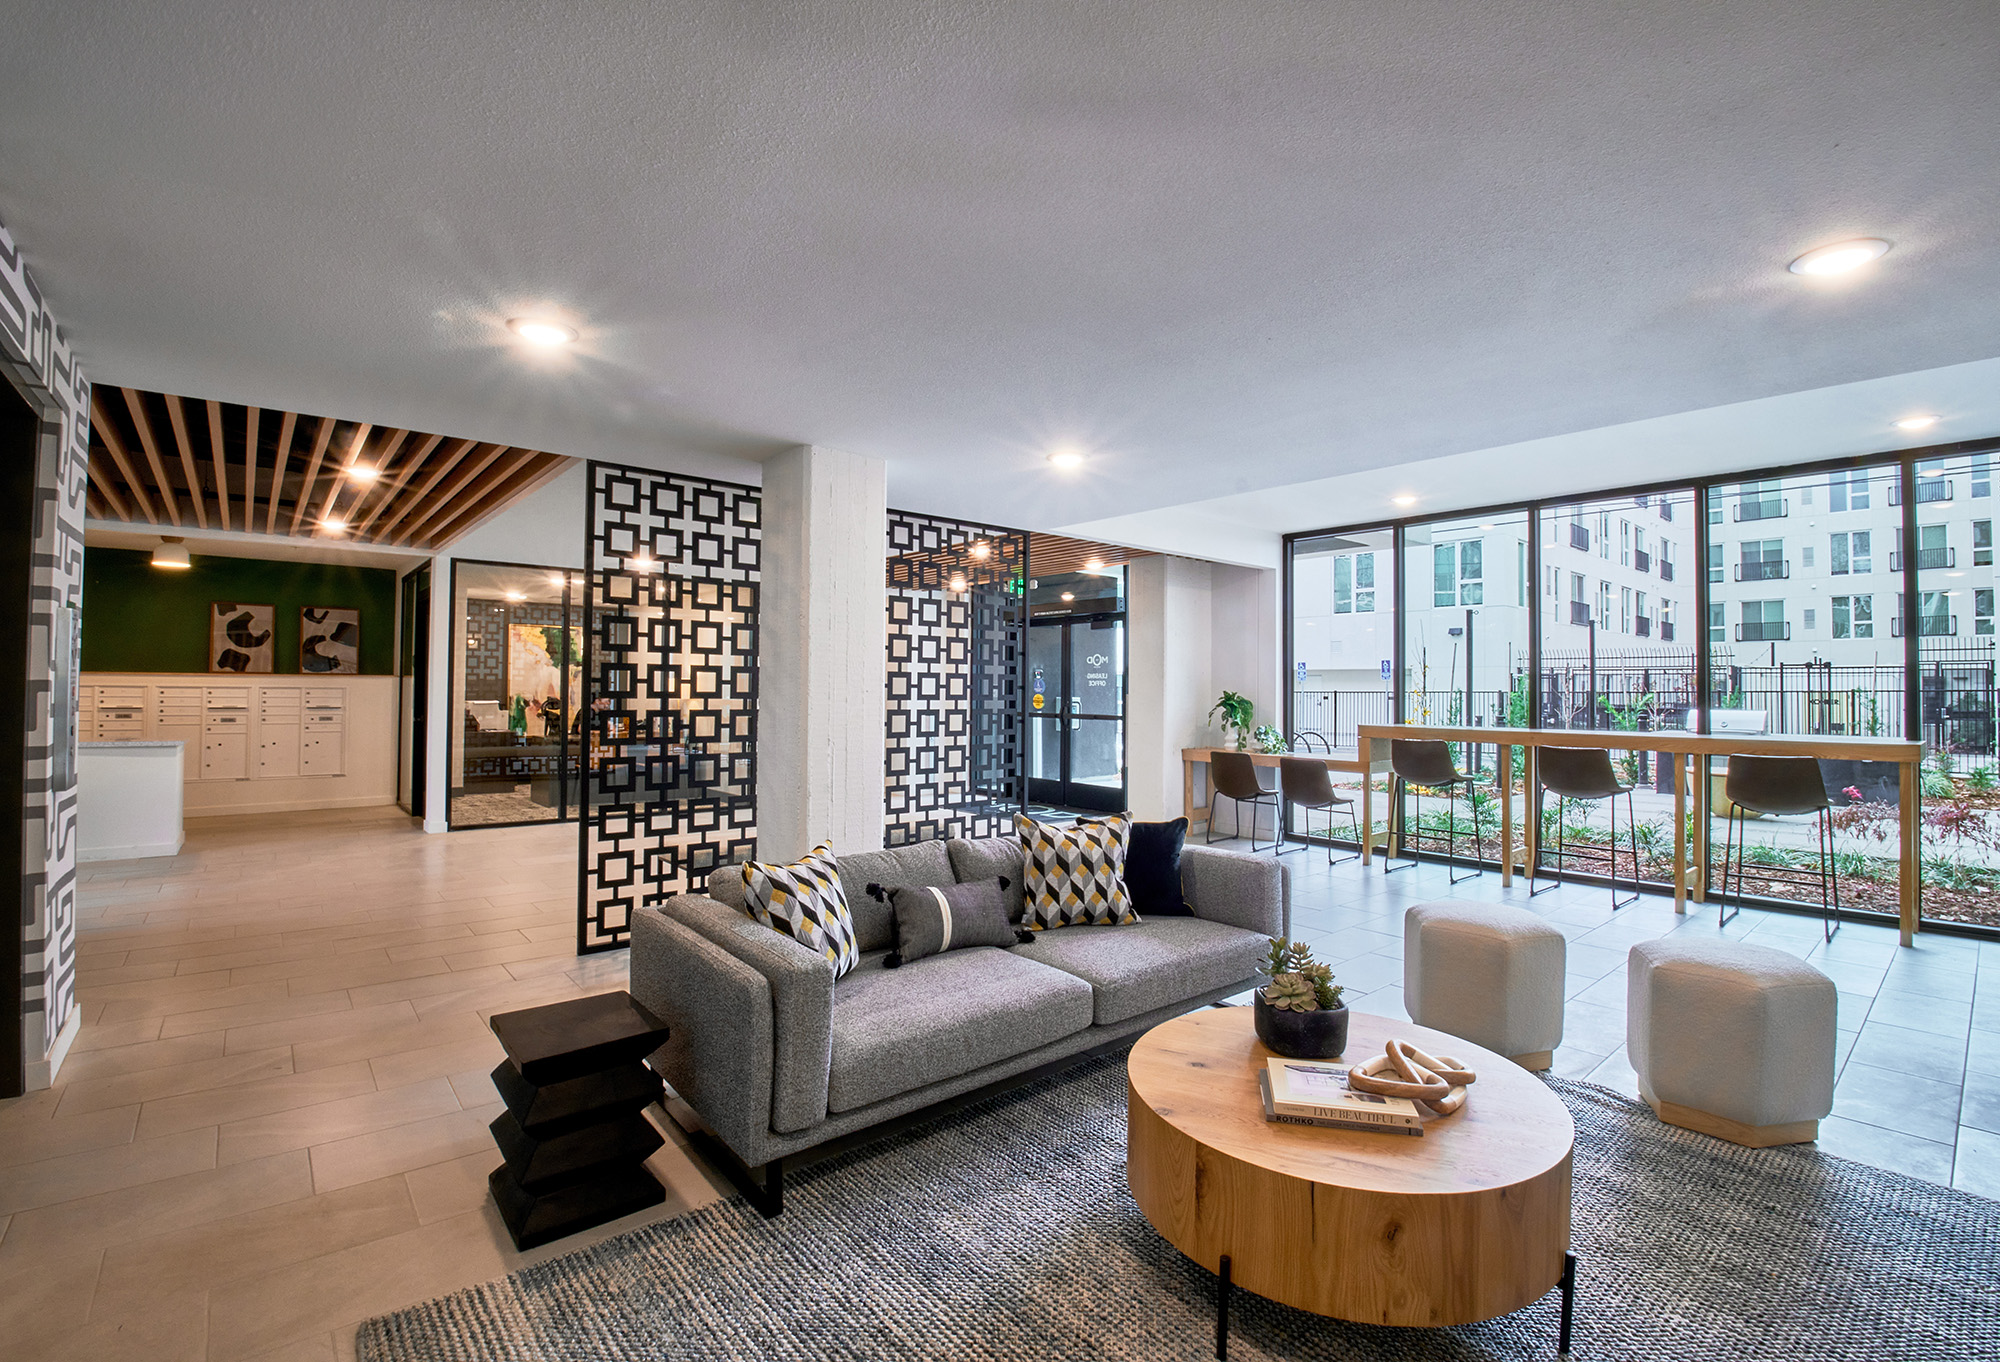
(1005, 1231)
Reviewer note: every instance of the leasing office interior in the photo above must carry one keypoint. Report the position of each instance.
(1029, 281)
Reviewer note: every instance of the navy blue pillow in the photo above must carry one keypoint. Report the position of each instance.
(1153, 868)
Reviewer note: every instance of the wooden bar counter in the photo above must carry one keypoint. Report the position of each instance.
(1700, 747)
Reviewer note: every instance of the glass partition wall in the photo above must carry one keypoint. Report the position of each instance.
(517, 658)
(1857, 599)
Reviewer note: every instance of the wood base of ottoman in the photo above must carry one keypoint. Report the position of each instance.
(1752, 1137)
(1536, 1062)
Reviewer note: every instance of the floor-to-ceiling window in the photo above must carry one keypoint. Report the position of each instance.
(516, 682)
(1790, 584)
(1342, 635)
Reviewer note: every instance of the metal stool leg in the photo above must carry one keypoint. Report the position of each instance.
(1828, 879)
(1568, 1303)
(1632, 835)
(1222, 1310)
(1724, 914)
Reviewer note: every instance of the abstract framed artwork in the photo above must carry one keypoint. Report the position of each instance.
(329, 641)
(241, 637)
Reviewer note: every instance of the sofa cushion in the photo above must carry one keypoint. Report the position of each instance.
(895, 1030)
(1150, 964)
(918, 864)
(931, 921)
(986, 858)
(1153, 868)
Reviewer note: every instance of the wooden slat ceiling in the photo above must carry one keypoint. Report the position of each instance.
(1051, 555)
(186, 463)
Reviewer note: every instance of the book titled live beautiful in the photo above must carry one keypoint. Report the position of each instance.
(1315, 1092)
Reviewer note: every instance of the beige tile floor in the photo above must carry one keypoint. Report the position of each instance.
(273, 1124)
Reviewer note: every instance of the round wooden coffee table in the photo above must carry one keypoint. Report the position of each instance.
(1467, 1222)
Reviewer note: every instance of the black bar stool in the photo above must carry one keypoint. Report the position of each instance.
(1778, 787)
(1426, 763)
(1233, 776)
(1585, 773)
(1308, 784)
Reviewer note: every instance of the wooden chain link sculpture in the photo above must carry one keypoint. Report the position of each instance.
(1438, 1083)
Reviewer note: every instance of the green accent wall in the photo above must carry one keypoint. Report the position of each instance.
(139, 618)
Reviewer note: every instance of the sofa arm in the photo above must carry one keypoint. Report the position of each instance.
(718, 1015)
(1252, 892)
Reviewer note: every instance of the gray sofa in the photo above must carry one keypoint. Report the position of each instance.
(776, 1057)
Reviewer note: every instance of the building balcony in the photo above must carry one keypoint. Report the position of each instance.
(1926, 558)
(1642, 560)
(1579, 612)
(1928, 489)
(1929, 626)
(1579, 537)
(1773, 570)
(1642, 626)
(1762, 510)
(1771, 631)
(1666, 570)
(1666, 631)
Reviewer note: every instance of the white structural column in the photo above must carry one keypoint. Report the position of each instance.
(822, 668)
(1168, 621)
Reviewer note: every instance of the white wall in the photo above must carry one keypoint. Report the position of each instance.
(1244, 632)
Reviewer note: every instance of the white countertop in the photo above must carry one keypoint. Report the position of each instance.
(126, 746)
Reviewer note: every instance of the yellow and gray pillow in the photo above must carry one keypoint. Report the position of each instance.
(804, 900)
(1075, 876)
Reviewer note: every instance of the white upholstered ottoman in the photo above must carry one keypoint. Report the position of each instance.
(1731, 1039)
(1493, 975)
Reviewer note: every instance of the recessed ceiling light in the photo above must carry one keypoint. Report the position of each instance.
(1916, 423)
(958, 582)
(170, 554)
(1069, 595)
(1405, 500)
(536, 332)
(517, 595)
(361, 472)
(1841, 256)
(1093, 565)
(981, 549)
(1066, 457)
(555, 581)
(334, 523)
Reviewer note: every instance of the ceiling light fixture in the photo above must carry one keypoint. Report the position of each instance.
(1916, 423)
(1093, 565)
(1069, 595)
(170, 554)
(542, 333)
(1841, 256)
(333, 523)
(981, 549)
(958, 582)
(1404, 500)
(361, 472)
(1066, 458)
(517, 595)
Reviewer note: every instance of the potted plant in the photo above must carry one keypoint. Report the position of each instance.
(1237, 713)
(1268, 739)
(1299, 1014)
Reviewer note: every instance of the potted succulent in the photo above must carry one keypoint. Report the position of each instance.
(1299, 1014)
(1237, 713)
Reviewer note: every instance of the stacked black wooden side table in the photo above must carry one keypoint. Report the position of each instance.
(574, 1134)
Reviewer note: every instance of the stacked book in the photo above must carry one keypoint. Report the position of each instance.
(1314, 1092)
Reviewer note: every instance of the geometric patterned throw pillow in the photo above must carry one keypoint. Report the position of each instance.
(1075, 876)
(804, 900)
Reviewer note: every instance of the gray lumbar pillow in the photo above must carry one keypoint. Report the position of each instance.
(931, 920)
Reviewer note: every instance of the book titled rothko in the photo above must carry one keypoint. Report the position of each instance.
(1315, 1092)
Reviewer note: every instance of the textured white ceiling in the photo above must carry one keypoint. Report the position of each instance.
(1227, 246)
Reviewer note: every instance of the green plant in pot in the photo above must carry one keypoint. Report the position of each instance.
(1269, 740)
(1237, 714)
(1299, 1013)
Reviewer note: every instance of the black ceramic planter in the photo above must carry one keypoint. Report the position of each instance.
(1302, 1035)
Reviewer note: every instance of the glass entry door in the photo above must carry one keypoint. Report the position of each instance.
(1076, 713)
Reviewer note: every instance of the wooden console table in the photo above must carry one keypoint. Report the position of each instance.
(1700, 747)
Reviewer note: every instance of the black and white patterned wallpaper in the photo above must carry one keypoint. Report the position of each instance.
(38, 356)
(669, 690)
(958, 637)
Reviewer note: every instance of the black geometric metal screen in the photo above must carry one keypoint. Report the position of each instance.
(670, 688)
(958, 643)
